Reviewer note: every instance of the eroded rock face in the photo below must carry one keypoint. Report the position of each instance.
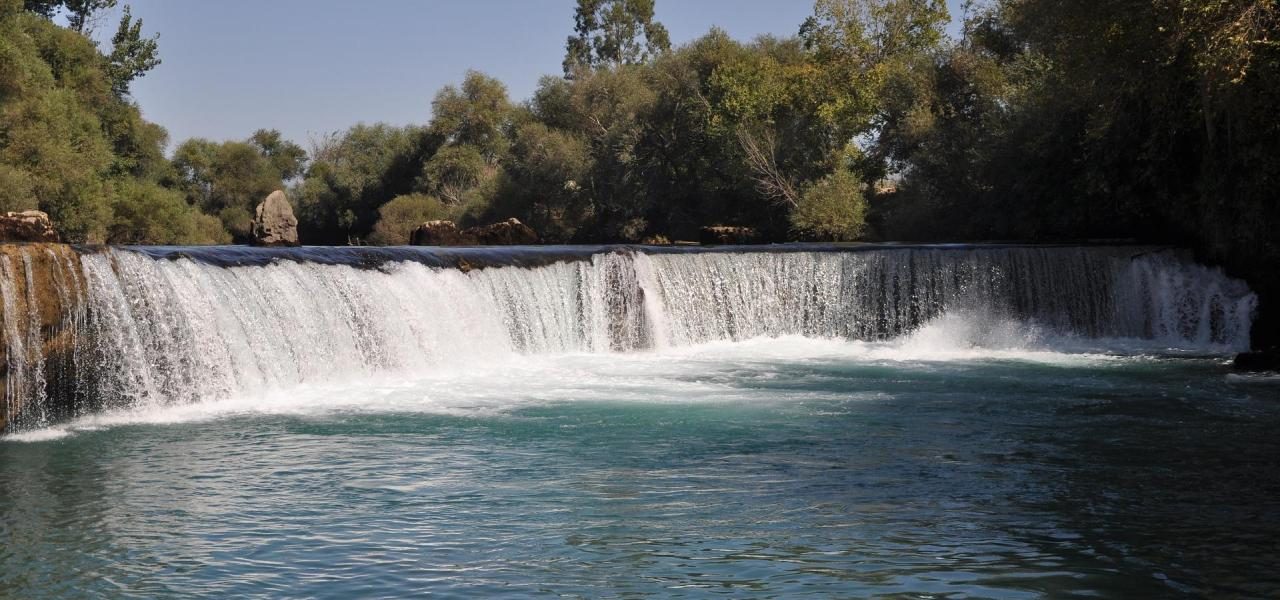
(446, 233)
(722, 234)
(41, 300)
(27, 226)
(274, 223)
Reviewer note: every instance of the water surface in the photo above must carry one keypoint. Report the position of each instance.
(776, 467)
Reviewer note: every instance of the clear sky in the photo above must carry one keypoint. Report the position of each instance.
(308, 67)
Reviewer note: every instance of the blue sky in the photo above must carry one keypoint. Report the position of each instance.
(307, 67)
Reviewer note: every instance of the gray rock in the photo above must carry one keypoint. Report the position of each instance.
(274, 223)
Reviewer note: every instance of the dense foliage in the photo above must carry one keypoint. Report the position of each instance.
(1147, 119)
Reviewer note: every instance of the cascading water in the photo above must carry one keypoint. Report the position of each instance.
(150, 328)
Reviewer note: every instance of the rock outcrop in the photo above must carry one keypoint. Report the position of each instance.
(440, 233)
(27, 226)
(723, 234)
(274, 223)
(446, 233)
(506, 233)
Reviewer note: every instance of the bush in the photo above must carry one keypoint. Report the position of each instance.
(237, 220)
(145, 213)
(17, 192)
(398, 218)
(833, 209)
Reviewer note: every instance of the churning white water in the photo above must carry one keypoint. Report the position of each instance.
(157, 332)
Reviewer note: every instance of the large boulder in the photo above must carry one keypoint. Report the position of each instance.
(440, 233)
(724, 234)
(506, 233)
(27, 226)
(274, 223)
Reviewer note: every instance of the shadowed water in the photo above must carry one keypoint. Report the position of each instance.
(966, 460)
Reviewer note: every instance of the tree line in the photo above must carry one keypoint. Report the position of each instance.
(1043, 119)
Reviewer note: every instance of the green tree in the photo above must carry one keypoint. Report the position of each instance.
(226, 179)
(453, 171)
(613, 33)
(131, 54)
(53, 104)
(286, 157)
(352, 174)
(81, 13)
(478, 114)
(546, 182)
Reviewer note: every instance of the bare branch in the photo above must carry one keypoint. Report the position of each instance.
(762, 157)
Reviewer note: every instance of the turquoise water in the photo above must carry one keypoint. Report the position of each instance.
(767, 468)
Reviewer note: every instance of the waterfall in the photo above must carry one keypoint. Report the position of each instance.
(146, 328)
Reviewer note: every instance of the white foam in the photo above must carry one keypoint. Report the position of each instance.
(714, 372)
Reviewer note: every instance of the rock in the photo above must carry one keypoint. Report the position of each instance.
(440, 233)
(506, 233)
(446, 233)
(274, 223)
(27, 226)
(1257, 361)
(656, 240)
(723, 234)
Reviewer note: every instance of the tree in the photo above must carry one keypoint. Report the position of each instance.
(54, 147)
(82, 14)
(131, 54)
(613, 33)
(545, 182)
(226, 179)
(609, 108)
(857, 43)
(453, 171)
(44, 8)
(477, 114)
(288, 158)
(352, 174)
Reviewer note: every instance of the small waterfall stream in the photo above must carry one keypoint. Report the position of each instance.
(140, 328)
